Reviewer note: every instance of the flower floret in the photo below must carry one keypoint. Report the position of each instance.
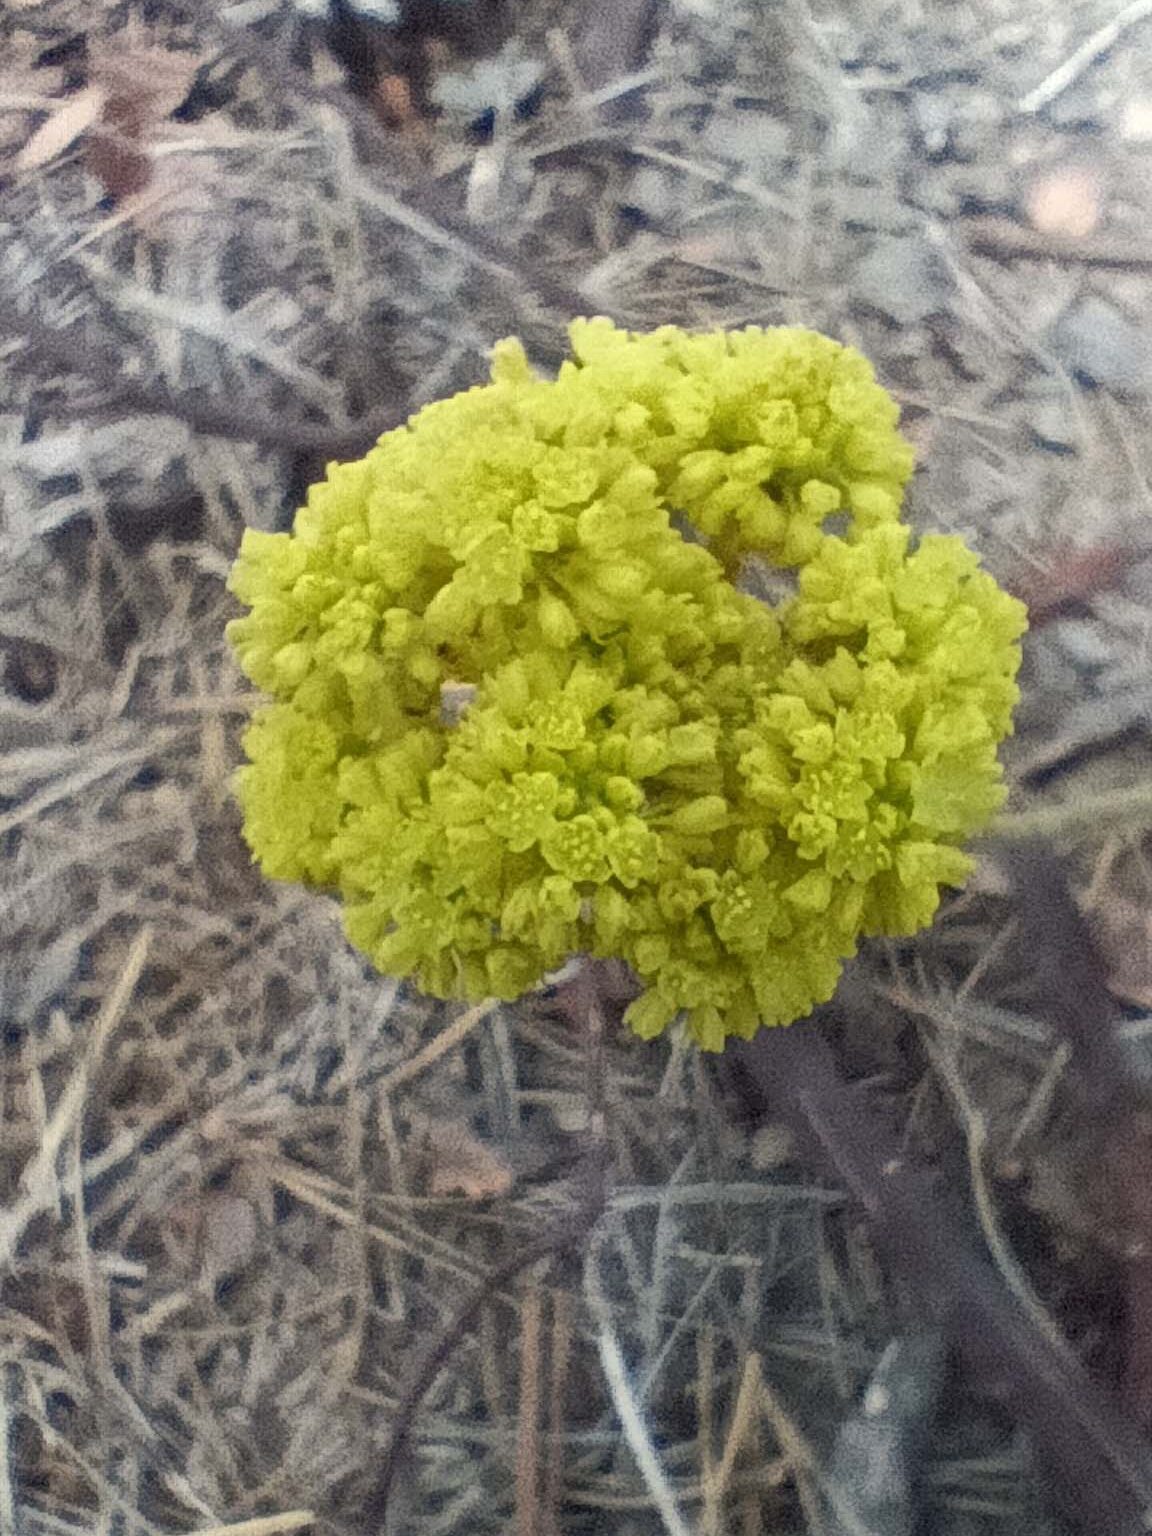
(641, 760)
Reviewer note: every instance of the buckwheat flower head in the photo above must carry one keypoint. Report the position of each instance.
(650, 763)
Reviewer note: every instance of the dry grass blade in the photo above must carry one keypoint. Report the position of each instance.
(528, 1507)
(38, 1180)
(1091, 49)
(265, 1525)
(749, 1402)
(560, 1356)
(119, 395)
(62, 128)
(1004, 240)
(446, 1040)
(103, 767)
(1079, 818)
(625, 1398)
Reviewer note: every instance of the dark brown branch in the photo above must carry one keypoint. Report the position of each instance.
(1007, 241)
(244, 425)
(1095, 1455)
(1070, 977)
(66, 353)
(1115, 1138)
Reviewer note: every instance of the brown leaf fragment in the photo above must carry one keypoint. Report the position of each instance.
(143, 84)
(123, 167)
(528, 1513)
(392, 101)
(462, 1164)
(1070, 578)
(75, 115)
(133, 87)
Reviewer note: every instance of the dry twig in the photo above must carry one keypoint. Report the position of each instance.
(1088, 52)
(1098, 1456)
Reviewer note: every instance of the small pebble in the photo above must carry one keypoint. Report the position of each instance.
(902, 278)
(1101, 345)
(1083, 644)
(1053, 425)
(1064, 200)
(1136, 121)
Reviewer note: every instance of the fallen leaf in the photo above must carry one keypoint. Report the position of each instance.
(122, 166)
(76, 114)
(462, 1164)
(184, 179)
(143, 84)
(392, 101)
(1070, 577)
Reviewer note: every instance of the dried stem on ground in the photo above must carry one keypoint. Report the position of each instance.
(1110, 1103)
(1097, 1456)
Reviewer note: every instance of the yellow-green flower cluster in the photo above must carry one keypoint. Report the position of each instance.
(522, 709)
